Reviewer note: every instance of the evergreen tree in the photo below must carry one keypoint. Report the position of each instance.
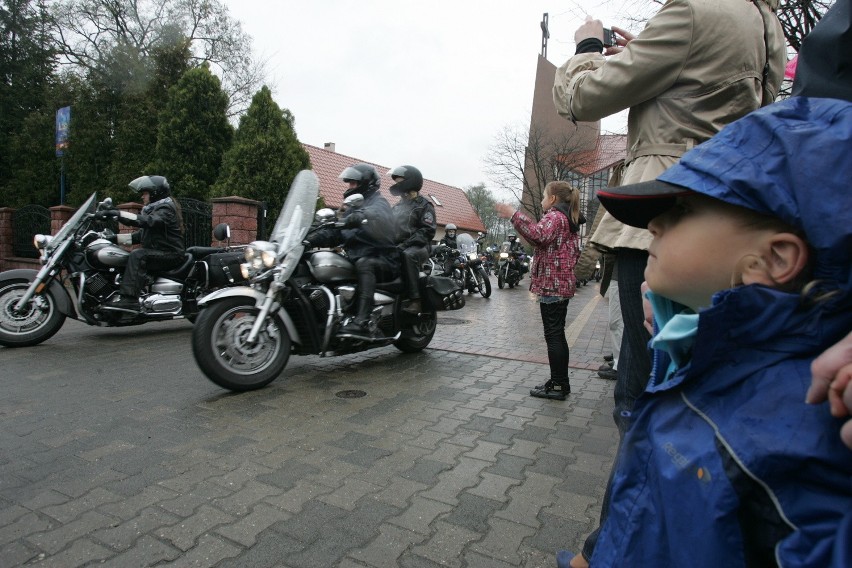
(193, 134)
(265, 157)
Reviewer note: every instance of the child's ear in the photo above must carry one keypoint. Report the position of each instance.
(785, 256)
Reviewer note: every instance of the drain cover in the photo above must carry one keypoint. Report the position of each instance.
(452, 321)
(350, 394)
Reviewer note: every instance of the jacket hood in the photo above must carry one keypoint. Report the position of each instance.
(789, 160)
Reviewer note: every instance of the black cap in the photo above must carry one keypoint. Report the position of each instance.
(638, 203)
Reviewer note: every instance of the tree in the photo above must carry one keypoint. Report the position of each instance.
(522, 160)
(483, 201)
(193, 134)
(89, 30)
(265, 157)
(27, 57)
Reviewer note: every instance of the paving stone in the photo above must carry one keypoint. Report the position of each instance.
(420, 515)
(446, 544)
(81, 552)
(185, 534)
(503, 541)
(246, 529)
(54, 540)
(384, 550)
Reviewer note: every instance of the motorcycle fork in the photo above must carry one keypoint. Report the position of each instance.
(265, 308)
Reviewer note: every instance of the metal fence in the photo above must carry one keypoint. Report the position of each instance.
(28, 221)
(197, 221)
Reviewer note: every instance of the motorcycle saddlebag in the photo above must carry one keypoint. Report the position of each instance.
(443, 293)
(224, 268)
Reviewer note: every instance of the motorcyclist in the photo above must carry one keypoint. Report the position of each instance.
(160, 233)
(369, 245)
(449, 236)
(515, 251)
(415, 227)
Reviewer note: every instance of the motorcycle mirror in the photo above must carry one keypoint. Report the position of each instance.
(106, 203)
(355, 200)
(222, 232)
(324, 215)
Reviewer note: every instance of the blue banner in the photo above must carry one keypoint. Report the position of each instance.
(63, 120)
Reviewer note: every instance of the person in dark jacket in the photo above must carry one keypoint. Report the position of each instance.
(415, 227)
(368, 240)
(160, 234)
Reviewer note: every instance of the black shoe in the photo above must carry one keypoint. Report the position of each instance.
(360, 330)
(605, 367)
(124, 303)
(413, 307)
(608, 357)
(552, 390)
(608, 374)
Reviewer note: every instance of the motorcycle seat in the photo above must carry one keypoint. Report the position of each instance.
(202, 252)
(181, 271)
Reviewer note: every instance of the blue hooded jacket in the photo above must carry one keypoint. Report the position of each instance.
(724, 463)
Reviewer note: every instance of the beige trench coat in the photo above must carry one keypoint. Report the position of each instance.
(697, 66)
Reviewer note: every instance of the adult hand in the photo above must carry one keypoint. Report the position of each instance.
(105, 214)
(591, 28)
(504, 210)
(832, 380)
(625, 38)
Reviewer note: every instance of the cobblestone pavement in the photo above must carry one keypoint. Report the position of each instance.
(116, 451)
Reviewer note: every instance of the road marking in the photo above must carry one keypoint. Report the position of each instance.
(573, 331)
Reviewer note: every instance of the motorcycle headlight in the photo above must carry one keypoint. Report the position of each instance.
(41, 241)
(245, 270)
(472, 256)
(504, 255)
(268, 258)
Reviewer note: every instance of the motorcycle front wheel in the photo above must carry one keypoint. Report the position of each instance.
(483, 282)
(419, 335)
(222, 351)
(38, 321)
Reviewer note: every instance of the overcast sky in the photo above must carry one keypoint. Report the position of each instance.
(428, 83)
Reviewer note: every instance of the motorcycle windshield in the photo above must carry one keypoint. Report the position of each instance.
(71, 225)
(297, 213)
(505, 246)
(465, 244)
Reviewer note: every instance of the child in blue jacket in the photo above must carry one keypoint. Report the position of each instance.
(750, 273)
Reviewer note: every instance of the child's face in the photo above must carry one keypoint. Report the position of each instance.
(697, 248)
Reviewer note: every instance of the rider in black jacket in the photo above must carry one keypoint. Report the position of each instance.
(369, 245)
(160, 234)
(415, 227)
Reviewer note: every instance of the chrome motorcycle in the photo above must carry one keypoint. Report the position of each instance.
(81, 273)
(297, 300)
(468, 268)
(510, 266)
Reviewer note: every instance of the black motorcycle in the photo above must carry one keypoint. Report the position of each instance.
(79, 258)
(511, 266)
(298, 299)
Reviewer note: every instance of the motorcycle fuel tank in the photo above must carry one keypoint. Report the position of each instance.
(328, 267)
(102, 253)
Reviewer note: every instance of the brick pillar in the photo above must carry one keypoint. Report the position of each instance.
(6, 234)
(59, 215)
(240, 214)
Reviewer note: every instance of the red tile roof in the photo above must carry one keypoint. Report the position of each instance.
(610, 149)
(454, 207)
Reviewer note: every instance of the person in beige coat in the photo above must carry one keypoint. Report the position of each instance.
(697, 66)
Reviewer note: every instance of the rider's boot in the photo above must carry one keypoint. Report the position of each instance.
(362, 327)
(125, 303)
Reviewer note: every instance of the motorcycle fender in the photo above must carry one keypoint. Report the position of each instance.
(60, 294)
(258, 300)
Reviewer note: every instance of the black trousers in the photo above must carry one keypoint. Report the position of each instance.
(412, 260)
(143, 261)
(553, 319)
(370, 270)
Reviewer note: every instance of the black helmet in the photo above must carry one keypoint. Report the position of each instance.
(156, 186)
(364, 175)
(407, 178)
(511, 236)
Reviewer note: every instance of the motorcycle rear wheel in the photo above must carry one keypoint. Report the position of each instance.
(419, 335)
(483, 282)
(223, 354)
(39, 321)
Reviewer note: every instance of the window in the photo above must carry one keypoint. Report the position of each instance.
(435, 199)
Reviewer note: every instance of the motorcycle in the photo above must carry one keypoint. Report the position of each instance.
(468, 269)
(508, 272)
(80, 258)
(297, 299)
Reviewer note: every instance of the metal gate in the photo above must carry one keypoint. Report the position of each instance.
(28, 221)
(197, 221)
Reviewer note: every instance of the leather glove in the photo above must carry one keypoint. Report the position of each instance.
(111, 237)
(354, 220)
(105, 214)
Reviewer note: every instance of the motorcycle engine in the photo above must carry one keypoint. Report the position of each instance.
(99, 287)
(162, 303)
